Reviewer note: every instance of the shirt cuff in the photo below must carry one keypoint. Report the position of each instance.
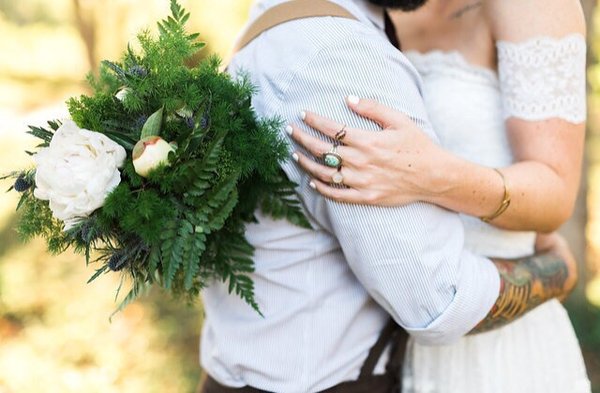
(477, 292)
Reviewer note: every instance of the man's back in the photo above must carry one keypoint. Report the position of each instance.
(319, 320)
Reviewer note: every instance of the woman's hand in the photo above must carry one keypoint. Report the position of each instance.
(390, 168)
(556, 244)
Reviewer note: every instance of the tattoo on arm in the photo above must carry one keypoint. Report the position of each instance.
(525, 284)
(465, 9)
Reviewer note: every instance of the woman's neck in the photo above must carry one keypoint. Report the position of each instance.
(448, 25)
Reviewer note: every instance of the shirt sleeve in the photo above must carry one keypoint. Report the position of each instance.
(411, 259)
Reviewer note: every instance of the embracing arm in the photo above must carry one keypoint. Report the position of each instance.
(404, 165)
(547, 146)
(411, 258)
(525, 283)
(530, 281)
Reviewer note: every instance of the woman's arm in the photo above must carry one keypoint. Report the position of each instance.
(404, 166)
(548, 148)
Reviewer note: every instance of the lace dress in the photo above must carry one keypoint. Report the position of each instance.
(468, 105)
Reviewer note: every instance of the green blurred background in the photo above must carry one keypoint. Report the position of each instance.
(54, 330)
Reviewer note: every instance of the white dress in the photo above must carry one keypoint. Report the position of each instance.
(537, 79)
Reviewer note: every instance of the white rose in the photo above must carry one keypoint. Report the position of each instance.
(77, 171)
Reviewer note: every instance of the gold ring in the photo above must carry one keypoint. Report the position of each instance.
(332, 159)
(341, 134)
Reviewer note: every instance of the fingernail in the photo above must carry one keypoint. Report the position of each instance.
(289, 130)
(352, 99)
(295, 157)
(312, 185)
(303, 115)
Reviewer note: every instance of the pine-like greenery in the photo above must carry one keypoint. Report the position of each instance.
(184, 225)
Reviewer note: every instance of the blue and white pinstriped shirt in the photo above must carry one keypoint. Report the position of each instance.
(326, 293)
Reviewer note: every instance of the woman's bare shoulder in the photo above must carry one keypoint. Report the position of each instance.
(518, 20)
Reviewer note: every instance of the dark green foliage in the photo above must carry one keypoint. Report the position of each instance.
(36, 220)
(279, 200)
(183, 226)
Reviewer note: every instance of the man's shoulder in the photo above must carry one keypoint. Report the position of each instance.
(292, 46)
(303, 37)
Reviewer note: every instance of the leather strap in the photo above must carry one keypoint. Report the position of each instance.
(377, 350)
(288, 11)
(389, 382)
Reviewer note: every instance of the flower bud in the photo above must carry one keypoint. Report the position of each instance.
(149, 153)
(121, 94)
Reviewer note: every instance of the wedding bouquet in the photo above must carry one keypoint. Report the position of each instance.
(158, 171)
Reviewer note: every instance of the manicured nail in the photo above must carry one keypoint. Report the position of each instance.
(312, 185)
(352, 99)
(289, 130)
(295, 157)
(303, 115)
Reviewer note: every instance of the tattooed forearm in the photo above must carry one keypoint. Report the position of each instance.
(465, 9)
(526, 283)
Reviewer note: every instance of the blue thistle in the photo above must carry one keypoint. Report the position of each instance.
(140, 121)
(22, 184)
(86, 232)
(189, 121)
(205, 121)
(117, 262)
(138, 70)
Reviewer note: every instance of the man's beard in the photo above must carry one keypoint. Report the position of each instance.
(404, 5)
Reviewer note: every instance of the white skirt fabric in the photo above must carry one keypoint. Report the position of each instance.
(538, 353)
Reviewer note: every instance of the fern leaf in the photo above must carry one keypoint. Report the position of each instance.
(192, 264)
(221, 214)
(153, 261)
(208, 167)
(181, 242)
(168, 237)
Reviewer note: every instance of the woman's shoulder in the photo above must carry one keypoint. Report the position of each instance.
(518, 20)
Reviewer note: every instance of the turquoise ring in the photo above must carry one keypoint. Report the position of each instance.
(332, 159)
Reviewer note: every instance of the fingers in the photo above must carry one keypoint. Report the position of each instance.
(324, 173)
(385, 116)
(343, 195)
(316, 146)
(331, 128)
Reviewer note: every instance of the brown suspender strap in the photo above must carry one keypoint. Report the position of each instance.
(288, 11)
(377, 350)
(390, 382)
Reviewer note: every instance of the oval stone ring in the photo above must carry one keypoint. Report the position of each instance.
(337, 178)
(332, 159)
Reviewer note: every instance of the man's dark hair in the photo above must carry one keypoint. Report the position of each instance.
(405, 5)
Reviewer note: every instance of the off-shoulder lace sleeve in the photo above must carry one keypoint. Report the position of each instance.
(543, 78)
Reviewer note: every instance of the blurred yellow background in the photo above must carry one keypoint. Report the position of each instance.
(54, 330)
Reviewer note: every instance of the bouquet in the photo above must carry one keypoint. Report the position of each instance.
(157, 172)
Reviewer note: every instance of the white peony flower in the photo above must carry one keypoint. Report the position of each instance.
(77, 171)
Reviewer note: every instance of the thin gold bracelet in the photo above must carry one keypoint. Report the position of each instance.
(503, 205)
